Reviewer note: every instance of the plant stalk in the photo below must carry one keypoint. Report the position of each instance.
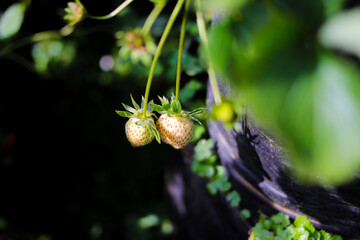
(37, 37)
(163, 38)
(181, 48)
(113, 13)
(151, 18)
(203, 36)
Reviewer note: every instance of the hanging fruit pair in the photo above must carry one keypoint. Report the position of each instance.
(174, 126)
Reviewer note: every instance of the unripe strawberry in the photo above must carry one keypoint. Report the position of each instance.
(175, 126)
(176, 131)
(138, 134)
(140, 128)
(224, 112)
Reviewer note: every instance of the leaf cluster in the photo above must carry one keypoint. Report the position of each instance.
(173, 108)
(205, 164)
(136, 46)
(294, 83)
(280, 227)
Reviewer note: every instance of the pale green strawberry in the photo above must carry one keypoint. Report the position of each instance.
(176, 131)
(139, 134)
(140, 129)
(175, 126)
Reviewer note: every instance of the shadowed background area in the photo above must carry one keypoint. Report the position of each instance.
(66, 168)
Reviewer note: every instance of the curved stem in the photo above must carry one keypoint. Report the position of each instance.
(113, 13)
(158, 50)
(181, 47)
(37, 37)
(152, 17)
(203, 36)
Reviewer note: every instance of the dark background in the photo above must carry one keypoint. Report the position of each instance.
(66, 168)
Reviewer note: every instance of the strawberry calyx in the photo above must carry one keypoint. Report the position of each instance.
(137, 112)
(173, 109)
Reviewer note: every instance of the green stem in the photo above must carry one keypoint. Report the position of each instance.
(152, 17)
(37, 37)
(158, 50)
(181, 47)
(203, 36)
(113, 13)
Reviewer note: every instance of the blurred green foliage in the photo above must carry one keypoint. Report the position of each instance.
(280, 227)
(280, 55)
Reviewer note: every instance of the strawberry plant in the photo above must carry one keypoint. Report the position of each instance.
(282, 71)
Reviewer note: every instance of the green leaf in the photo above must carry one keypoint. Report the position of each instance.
(123, 113)
(261, 232)
(142, 102)
(203, 150)
(195, 119)
(198, 111)
(137, 107)
(11, 20)
(301, 233)
(165, 103)
(301, 221)
(278, 218)
(199, 131)
(220, 170)
(204, 170)
(342, 31)
(245, 214)
(149, 106)
(313, 103)
(219, 184)
(325, 235)
(336, 118)
(155, 132)
(158, 108)
(128, 108)
(176, 106)
(234, 198)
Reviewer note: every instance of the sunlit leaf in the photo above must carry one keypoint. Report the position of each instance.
(123, 113)
(336, 120)
(203, 150)
(176, 106)
(137, 107)
(199, 131)
(128, 108)
(11, 20)
(155, 132)
(342, 32)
